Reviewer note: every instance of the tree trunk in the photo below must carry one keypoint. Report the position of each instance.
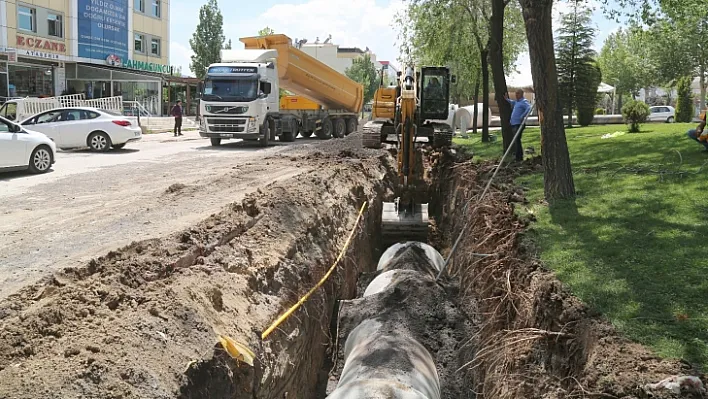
(496, 60)
(703, 89)
(557, 173)
(485, 95)
(476, 101)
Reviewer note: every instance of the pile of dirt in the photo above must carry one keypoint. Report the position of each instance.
(536, 340)
(143, 320)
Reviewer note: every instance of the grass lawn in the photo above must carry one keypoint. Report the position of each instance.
(633, 245)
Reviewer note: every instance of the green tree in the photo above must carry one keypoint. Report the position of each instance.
(208, 39)
(687, 20)
(557, 172)
(586, 94)
(625, 62)
(635, 113)
(363, 71)
(575, 59)
(684, 103)
(267, 31)
(456, 33)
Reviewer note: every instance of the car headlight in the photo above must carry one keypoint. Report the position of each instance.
(252, 124)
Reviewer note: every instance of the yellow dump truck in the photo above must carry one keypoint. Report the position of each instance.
(239, 96)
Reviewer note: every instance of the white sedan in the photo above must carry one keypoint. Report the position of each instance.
(79, 127)
(661, 113)
(24, 149)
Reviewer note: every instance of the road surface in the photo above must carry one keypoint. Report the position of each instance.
(94, 202)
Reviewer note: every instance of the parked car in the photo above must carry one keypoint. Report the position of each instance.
(661, 113)
(22, 149)
(80, 127)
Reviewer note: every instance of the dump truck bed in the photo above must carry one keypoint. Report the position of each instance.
(309, 77)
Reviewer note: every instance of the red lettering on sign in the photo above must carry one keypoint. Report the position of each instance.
(40, 44)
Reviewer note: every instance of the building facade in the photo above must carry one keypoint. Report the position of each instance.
(101, 48)
(338, 58)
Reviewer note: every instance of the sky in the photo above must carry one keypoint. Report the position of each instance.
(352, 23)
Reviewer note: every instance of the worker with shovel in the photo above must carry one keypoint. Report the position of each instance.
(520, 107)
(699, 134)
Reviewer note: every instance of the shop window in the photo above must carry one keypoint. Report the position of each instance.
(27, 18)
(155, 47)
(55, 26)
(139, 5)
(139, 39)
(156, 8)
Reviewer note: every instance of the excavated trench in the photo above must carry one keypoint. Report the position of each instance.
(144, 320)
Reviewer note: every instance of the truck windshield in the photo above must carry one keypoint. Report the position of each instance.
(230, 90)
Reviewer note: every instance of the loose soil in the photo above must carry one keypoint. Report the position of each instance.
(143, 320)
(536, 340)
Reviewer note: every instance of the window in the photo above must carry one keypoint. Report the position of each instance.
(90, 115)
(72, 115)
(139, 43)
(139, 5)
(155, 46)
(55, 27)
(27, 18)
(10, 111)
(47, 117)
(4, 127)
(156, 8)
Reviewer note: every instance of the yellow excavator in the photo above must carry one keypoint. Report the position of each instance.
(409, 110)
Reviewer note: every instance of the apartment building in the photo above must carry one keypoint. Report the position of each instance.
(340, 58)
(98, 47)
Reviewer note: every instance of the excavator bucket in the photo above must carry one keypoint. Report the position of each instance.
(400, 224)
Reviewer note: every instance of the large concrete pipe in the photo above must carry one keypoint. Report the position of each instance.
(382, 359)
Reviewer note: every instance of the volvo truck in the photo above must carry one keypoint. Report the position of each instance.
(239, 98)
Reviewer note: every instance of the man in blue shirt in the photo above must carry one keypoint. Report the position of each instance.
(520, 107)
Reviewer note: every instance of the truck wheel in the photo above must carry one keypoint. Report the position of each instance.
(340, 128)
(326, 131)
(265, 130)
(352, 125)
(215, 141)
(305, 134)
(288, 136)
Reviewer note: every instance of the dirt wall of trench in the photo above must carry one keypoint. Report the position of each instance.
(535, 340)
(142, 321)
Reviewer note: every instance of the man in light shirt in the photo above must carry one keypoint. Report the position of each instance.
(520, 107)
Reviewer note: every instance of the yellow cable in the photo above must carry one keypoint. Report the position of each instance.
(324, 278)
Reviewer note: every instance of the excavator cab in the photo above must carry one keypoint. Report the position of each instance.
(434, 93)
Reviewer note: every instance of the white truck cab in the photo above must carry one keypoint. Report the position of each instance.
(239, 99)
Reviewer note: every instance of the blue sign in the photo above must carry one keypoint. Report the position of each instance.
(103, 29)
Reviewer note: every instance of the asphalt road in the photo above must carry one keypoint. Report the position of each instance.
(91, 203)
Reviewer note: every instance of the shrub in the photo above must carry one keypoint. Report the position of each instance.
(585, 116)
(684, 102)
(600, 111)
(635, 113)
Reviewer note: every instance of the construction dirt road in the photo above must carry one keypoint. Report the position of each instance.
(144, 265)
(91, 203)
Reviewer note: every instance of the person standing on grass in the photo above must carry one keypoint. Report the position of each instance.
(520, 107)
(177, 113)
(699, 134)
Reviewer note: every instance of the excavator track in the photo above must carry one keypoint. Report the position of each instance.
(371, 135)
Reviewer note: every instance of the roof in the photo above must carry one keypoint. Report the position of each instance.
(350, 50)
